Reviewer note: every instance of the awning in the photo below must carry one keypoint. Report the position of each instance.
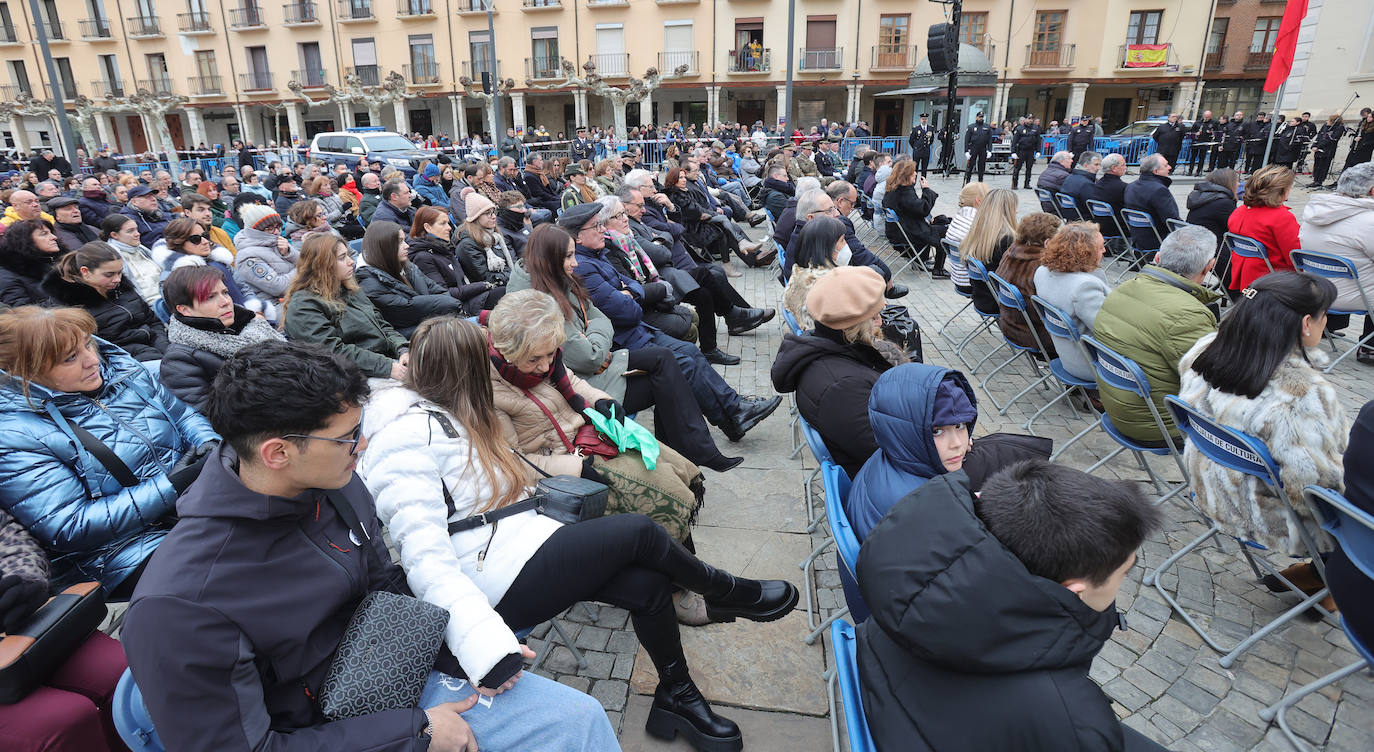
(905, 92)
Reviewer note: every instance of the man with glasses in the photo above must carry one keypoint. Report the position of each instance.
(237, 617)
(619, 298)
(845, 198)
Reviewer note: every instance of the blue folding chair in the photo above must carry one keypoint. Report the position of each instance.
(1008, 295)
(1137, 220)
(846, 674)
(792, 324)
(1059, 324)
(1174, 224)
(955, 259)
(1246, 248)
(1353, 529)
(1119, 372)
(356, 246)
(846, 543)
(977, 272)
(823, 458)
(1242, 453)
(131, 718)
(1047, 200)
(1335, 267)
(1113, 233)
(1068, 207)
(911, 247)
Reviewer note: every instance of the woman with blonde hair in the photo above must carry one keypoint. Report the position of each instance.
(440, 454)
(1264, 218)
(325, 306)
(989, 236)
(970, 198)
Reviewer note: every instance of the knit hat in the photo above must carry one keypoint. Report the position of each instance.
(952, 404)
(475, 204)
(431, 171)
(845, 297)
(252, 214)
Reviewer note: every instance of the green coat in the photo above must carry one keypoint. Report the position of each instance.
(588, 343)
(354, 330)
(1153, 322)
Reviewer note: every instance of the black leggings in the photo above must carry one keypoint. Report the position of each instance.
(678, 421)
(626, 560)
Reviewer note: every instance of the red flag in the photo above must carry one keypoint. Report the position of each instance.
(1282, 63)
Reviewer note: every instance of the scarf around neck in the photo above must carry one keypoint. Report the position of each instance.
(557, 375)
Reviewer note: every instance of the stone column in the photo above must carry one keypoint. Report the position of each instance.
(460, 129)
(646, 109)
(293, 120)
(104, 130)
(150, 133)
(197, 124)
(853, 108)
(782, 104)
(1077, 94)
(247, 125)
(20, 135)
(580, 107)
(1000, 103)
(712, 104)
(345, 115)
(517, 110)
(398, 106)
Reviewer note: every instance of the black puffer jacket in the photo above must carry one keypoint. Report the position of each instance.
(913, 214)
(122, 318)
(21, 278)
(832, 379)
(72, 237)
(438, 261)
(472, 256)
(199, 346)
(1210, 205)
(404, 305)
(965, 649)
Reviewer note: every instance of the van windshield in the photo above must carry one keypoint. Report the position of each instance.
(388, 143)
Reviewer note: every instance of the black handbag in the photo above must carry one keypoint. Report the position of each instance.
(385, 656)
(901, 329)
(32, 653)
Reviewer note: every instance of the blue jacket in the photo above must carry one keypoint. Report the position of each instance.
(92, 527)
(150, 226)
(604, 283)
(432, 192)
(900, 409)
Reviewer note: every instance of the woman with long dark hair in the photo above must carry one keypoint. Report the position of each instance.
(434, 251)
(1260, 373)
(92, 277)
(400, 291)
(820, 247)
(27, 250)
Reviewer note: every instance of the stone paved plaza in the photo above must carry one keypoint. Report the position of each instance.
(1161, 677)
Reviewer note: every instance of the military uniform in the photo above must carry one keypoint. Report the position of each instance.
(977, 142)
(921, 138)
(1025, 144)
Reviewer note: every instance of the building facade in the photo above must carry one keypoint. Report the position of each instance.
(234, 61)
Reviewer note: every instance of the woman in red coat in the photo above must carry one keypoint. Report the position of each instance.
(1264, 218)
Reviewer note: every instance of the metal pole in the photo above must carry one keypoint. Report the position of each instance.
(65, 129)
(496, 128)
(1269, 144)
(791, 50)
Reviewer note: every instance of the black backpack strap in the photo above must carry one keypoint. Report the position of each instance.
(105, 456)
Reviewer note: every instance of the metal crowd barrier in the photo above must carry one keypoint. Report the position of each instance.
(1133, 149)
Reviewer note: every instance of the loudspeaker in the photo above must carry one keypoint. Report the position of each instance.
(486, 82)
(942, 48)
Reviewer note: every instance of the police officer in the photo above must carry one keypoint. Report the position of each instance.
(582, 147)
(1204, 133)
(1232, 139)
(921, 138)
(1168, 138)
(1081, 137)
(977, 147)
(1025, 145)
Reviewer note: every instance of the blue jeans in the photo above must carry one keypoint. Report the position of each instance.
(717, 400)
(536, 714)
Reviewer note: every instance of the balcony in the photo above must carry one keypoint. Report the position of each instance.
(669, 61)
(896, 57)
(1215, 61)
(473, 7)
(247, 18)
(299, 14)
(745, 61)
(310, 79)
(821, 58)
(1056, 58)
(534, 5)
(543, 68)
(611, 64)
(159, 85)
(54, 31)
(204, 86)
(368, 75)
(8, 35)
(414, 9)
(96, 30)
(255, 81)
(608, 3)
(195, 22)
(474, 69)
(11, 92)
(350, 11)
(105, 89)
(1258, 60)
(421, 74)
(69, 90)
(1170, 61)
(143, 27)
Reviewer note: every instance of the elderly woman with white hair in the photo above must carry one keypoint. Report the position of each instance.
(785, 224)
(1343, 223)
(661, 301)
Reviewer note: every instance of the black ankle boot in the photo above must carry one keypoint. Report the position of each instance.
(755, 600)
(679, 708)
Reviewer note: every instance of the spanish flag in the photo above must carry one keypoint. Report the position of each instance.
(1146, 55)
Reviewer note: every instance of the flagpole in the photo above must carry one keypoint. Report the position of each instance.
(1272, 120)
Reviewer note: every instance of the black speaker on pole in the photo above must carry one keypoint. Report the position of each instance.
(486, 82)
(942, 48)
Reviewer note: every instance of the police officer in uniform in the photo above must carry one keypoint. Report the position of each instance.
(1168, 138)
(1025, 145)
(977, 147)
(1081, 137)
(583, 147)
(1204, 133)
(921, 138)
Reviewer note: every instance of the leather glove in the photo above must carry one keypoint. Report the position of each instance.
(19, 598)
(611, 409)
(183, 478)
(588, 473)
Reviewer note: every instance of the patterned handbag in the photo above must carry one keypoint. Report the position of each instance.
(384, 657)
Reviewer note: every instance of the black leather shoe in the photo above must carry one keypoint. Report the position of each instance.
(756, 219)
(722, 463)
(741, 320)
(896, 291)
(721, 358)
(939, 274)
(1365, 355)
(755, 600)
(679, 708)
(751, 411)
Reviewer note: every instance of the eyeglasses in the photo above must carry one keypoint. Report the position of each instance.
(619, 215)
(354, 437)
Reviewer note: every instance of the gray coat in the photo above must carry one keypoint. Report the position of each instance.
(588, 343)
(1079, 294)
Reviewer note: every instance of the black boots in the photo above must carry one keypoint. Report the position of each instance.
(751, 411)
(756, 600)
(679, 708)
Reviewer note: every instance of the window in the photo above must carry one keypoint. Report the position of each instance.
(1143, 27)
(479, 49)
(257, 61)
(146, 10)
(1217, 38)
(821, 52)
(52, 18)
(365, 60)
(973, 29)
(109, 68)
(312, 66)
(423, 67)
(64, 76)
(157, 67)
(6, 20)
(20, 76)
(894, 34)
(544, 58)
(610, 58)
(1266, 34)
(678, 45)
(748, 52)
(1049, 35)
(207, 73)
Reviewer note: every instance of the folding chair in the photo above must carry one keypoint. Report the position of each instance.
(1100, 212)
(1137, 220)
(1008, 295)
(911, 247)
(823, 457)
(1068, 207)
(953, 257)
(1353, 529)
(1241, 453)
(846, 673)
(1047, 199)
(1118, 371)
(1059, 324)
(977, 272)
(795, 328)
(846, 543)
(1244, 247)
(1335, 267)
(1174, 224)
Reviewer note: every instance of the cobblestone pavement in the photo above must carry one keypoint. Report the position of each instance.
(1160, 676)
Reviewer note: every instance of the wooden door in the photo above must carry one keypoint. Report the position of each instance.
(137, 138)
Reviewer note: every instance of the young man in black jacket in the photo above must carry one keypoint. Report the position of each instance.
(983, 627)
(238, 615)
